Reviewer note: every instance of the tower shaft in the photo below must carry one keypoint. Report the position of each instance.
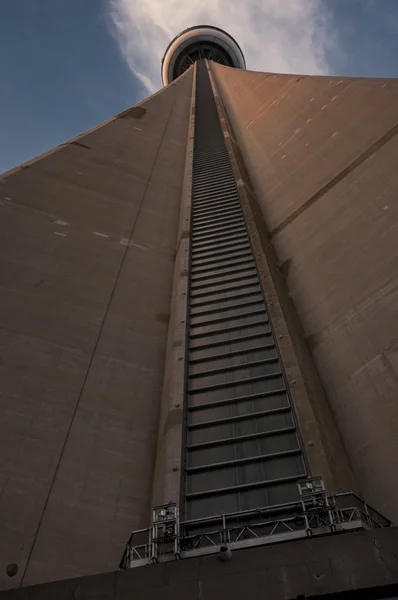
(198, 307)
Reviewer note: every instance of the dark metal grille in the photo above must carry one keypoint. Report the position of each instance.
(241, 447)
(200, 50)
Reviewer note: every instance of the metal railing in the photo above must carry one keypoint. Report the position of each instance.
(314, 515)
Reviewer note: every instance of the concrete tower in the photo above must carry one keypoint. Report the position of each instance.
(199, 341)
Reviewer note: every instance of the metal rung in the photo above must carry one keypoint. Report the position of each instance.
(228, 240)
(218, 230)
(220, 233)
(214, 265)
(238, 418)
(227, 220)
(242, 461)
(206, 173)
(208, 179)
(204, 201)
(247, 294)
(224, 264)
(212, 311)
(217, 257)
(211, 161)
(230, 368)
(195, 336)
(227, 318)
(237, 400)
(201, 255)
(209, 155)
(245, 486)
(194, 361)
(224, 384)
(216, 218)
(222, 184)
(245, 338)
(199, 172)
(220, 205)
(225, 271)
(242, 438)
(198, 166)
(226, 235)
(221, 282)
(241, 286)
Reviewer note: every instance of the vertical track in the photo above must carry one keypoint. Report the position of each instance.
(241, 449)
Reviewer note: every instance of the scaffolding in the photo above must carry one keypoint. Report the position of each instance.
(316, 514)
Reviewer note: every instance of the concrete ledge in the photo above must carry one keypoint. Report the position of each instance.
(336, 563)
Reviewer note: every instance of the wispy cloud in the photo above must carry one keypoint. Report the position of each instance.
(275, 35)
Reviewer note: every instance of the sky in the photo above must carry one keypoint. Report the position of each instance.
(68, 65)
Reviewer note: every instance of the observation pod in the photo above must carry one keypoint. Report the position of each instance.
(194, 43)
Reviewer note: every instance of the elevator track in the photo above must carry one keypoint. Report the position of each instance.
(241, 446)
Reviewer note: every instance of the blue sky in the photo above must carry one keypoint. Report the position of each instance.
(67, 65)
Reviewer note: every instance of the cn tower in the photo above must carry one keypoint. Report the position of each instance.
(199, 342)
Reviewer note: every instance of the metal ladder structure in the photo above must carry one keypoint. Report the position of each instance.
(241, 445)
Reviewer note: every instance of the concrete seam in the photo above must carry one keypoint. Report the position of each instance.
(357, 162)
(95, 347)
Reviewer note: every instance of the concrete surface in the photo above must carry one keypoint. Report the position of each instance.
(322, 444)
(167, 475)
(87, 247)
(277, 572)
(321, 153)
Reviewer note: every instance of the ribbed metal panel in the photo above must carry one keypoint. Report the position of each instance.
(241, 447)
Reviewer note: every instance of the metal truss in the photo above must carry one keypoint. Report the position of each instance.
(315, 514)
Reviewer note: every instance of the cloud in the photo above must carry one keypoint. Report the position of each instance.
(287, 36)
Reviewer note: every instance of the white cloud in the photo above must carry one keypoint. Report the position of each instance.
(287, 36)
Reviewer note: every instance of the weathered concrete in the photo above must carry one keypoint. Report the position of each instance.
(321, 153)
(88, 236)
(167, 476)
(321, 441)
(350, 561)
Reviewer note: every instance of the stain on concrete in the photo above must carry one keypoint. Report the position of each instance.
(285, 267)
(313, 340)
(137, 112)
(163, 317)
(174, 419)
(80, 145)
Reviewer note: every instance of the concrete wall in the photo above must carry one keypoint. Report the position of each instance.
(167, 474)
(322, 444)
(321, 153)
(277, 572)
(87, 245)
